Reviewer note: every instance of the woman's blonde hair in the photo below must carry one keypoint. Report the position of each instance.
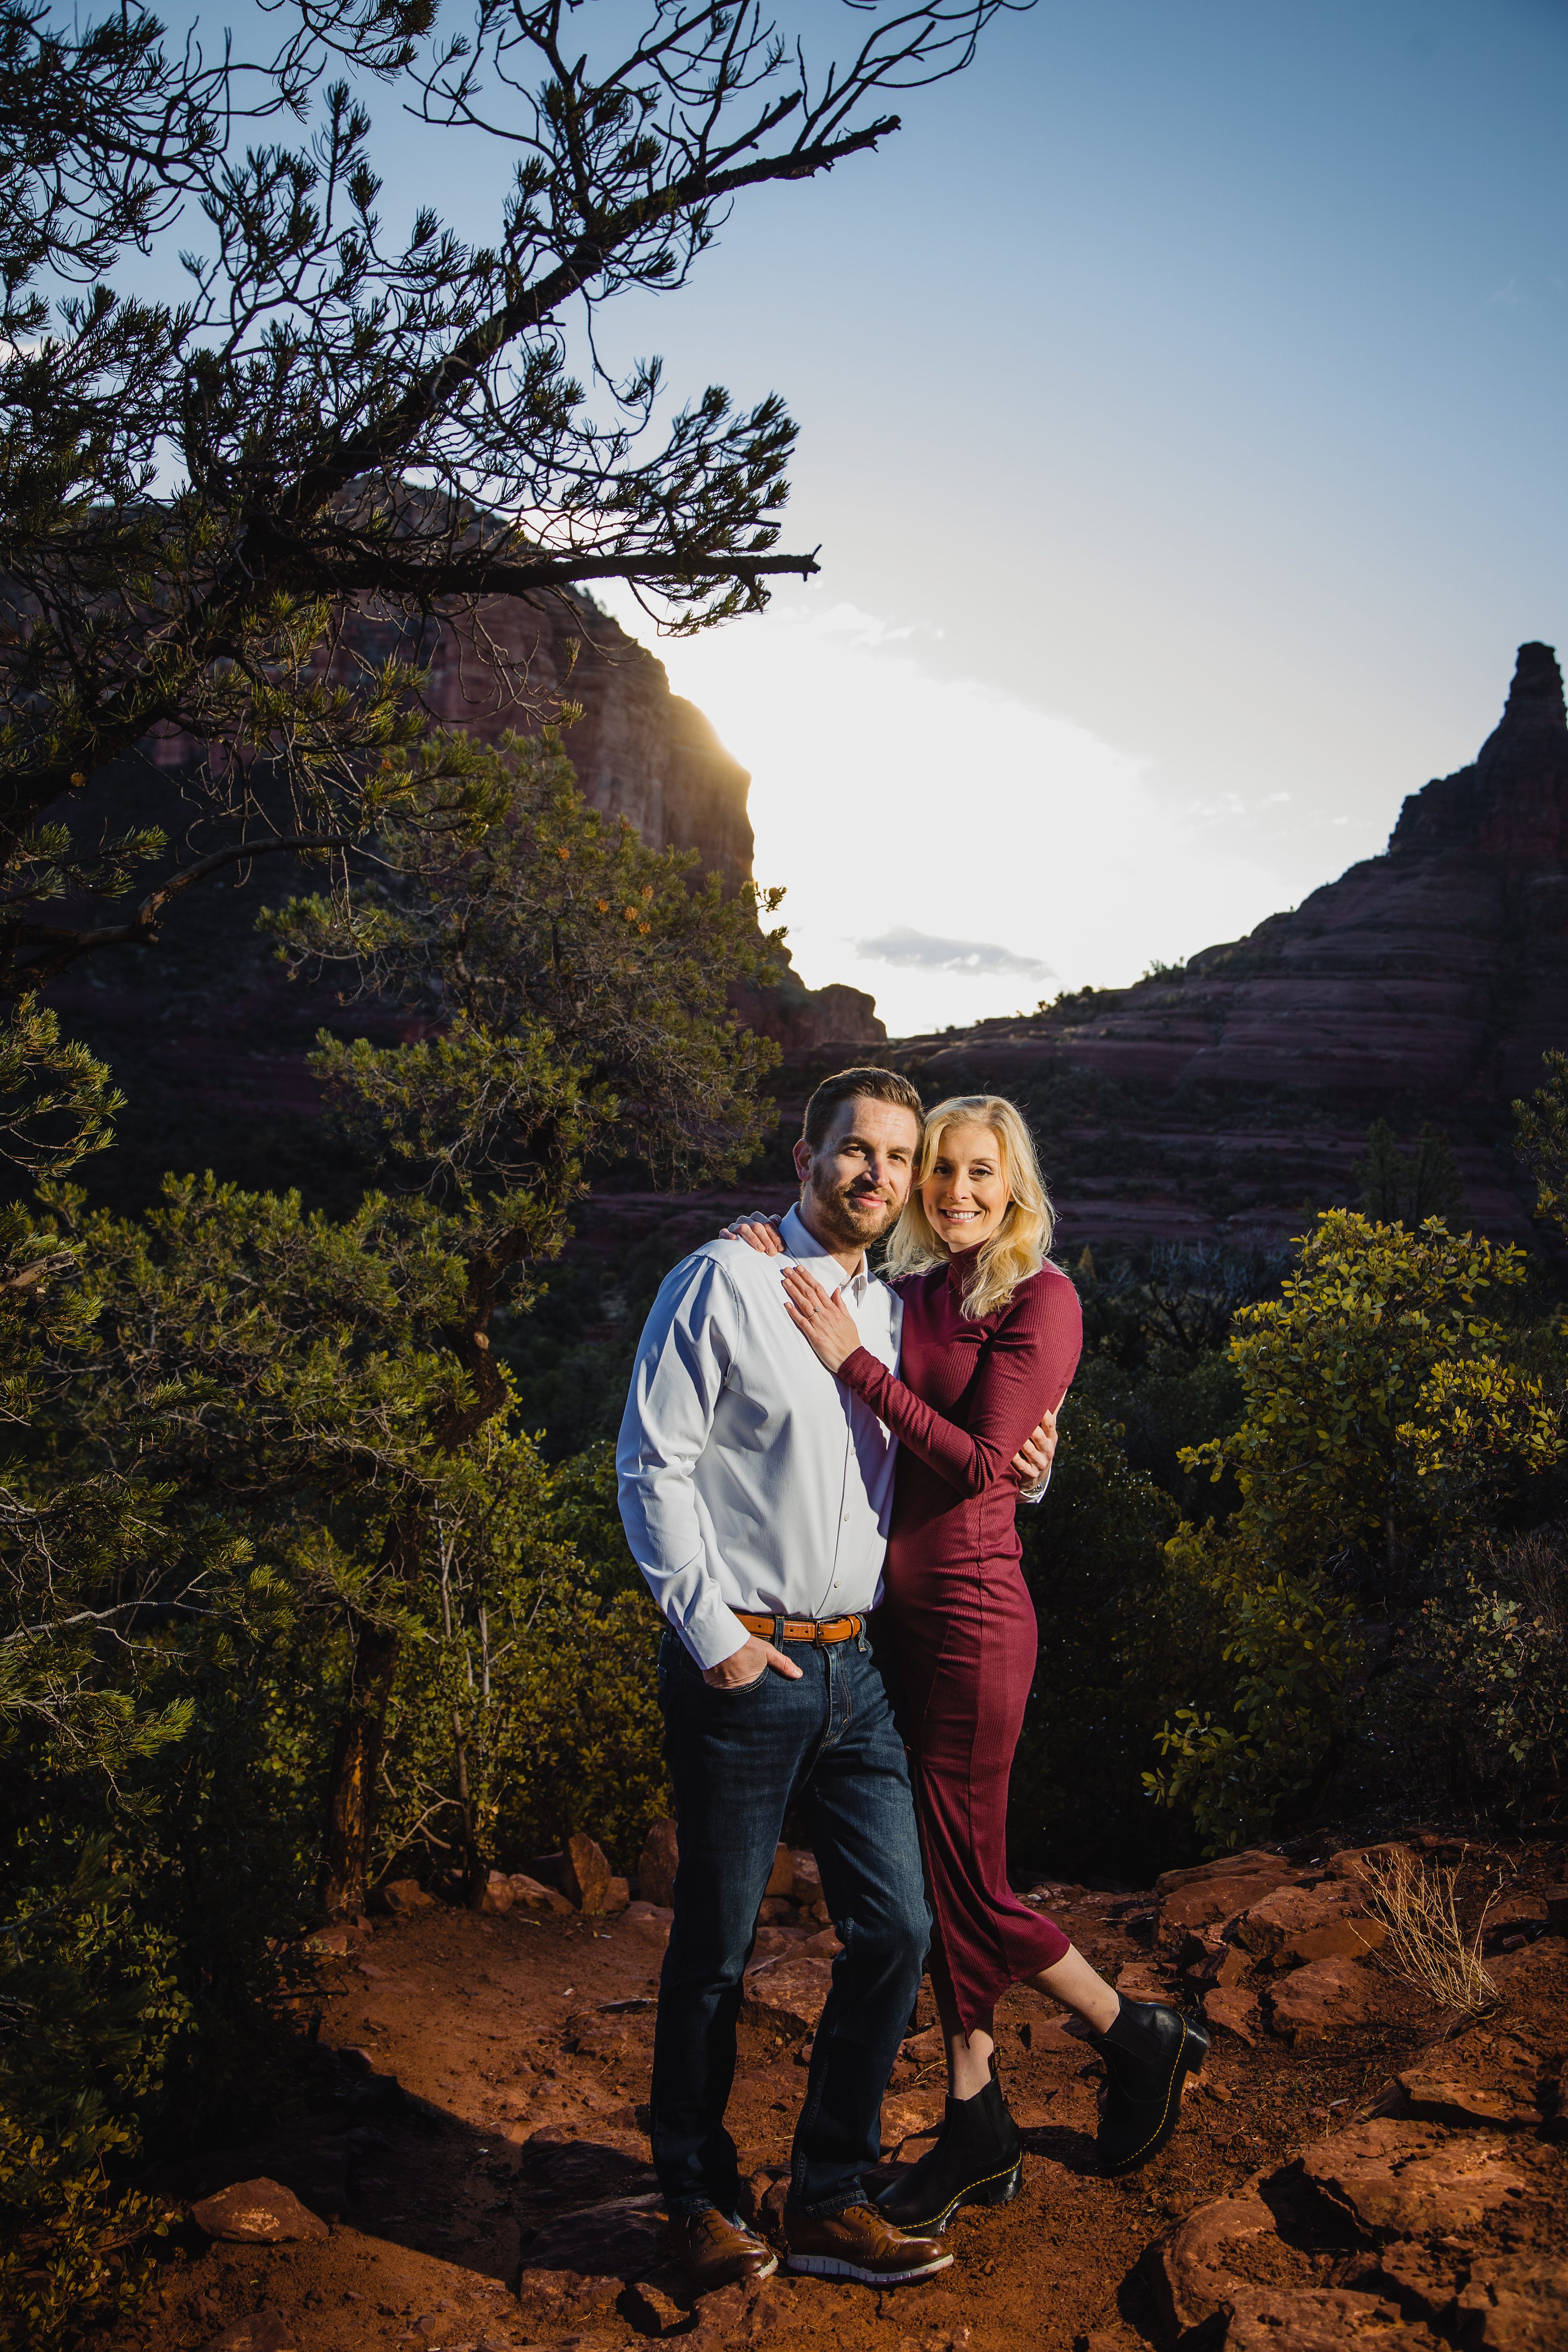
(1017, 1247)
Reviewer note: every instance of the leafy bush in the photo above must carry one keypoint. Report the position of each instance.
(530, 1708)
(1381, 1403)
(73, 2251)
(1476, 1702)
(1383, 1410)
(1287, 1643)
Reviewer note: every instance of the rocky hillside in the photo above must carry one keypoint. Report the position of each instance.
(1219, 1100)
(210, 1043)
(639, 750)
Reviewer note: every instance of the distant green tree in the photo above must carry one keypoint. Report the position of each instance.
(1382, 1403)
(1540, 1129)
(87, 2005)
(1407, 1187)
(529, 1708)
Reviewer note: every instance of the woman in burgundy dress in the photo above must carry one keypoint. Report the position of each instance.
(991, 1331)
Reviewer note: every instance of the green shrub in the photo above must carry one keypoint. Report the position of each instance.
(529, 1707)
(1383, 1408)
(73, 2252)
(1287, 1645)
(1475, 1705)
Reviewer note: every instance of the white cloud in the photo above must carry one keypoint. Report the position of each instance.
(893, 802)
(911, 950)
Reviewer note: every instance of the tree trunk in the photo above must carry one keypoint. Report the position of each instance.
(356, 1758)
(475, 1872)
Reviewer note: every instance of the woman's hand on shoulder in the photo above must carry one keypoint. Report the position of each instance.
(829, 1327)
(758, 1231)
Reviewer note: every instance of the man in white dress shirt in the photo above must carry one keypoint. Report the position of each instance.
(755, 1492)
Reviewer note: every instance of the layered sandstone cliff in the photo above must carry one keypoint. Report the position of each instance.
(640, 752)
(1425, 983)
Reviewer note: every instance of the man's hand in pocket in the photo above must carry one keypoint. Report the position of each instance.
(749, 1664)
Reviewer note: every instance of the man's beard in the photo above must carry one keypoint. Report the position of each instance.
(848, 1217)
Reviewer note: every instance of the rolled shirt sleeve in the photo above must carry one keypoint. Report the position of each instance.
(687, 1350)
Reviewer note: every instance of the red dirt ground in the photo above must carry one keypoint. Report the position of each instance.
(503, 2084)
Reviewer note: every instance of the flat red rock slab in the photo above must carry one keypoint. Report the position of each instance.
(1191, 2273)
(1234, 2012)
(1208, 1960)
(1324, 1994)
(263, 2331)
(1445, 2099)
(772, 1943)
(256, 2213)
(912, 2115)
(1521, 2306)
(1317, 2319)
(1297, 1923)
(1252, 1862)
(1403, 2180)
(626, 2237)
(1350, 1861)
(1139, 1981)
(1210, 1899)
(1425, 2278)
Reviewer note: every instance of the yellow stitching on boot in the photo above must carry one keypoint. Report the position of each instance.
(1176, 2072)
(983, 2183)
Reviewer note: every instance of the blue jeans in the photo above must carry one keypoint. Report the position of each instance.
(738, 1760)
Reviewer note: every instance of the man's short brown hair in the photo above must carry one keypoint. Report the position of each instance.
(881, 1086)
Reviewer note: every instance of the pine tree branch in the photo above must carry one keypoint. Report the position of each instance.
(366, 570)
(60, 947)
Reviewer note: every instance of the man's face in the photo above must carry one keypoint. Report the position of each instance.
(858, 1177)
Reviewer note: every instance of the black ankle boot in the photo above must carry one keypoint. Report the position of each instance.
(978, 2160)
(1148, 2052)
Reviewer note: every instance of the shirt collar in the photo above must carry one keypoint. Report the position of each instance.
(801, 1243)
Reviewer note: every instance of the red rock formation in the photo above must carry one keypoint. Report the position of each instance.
(639, 752)
(1440, 968)
(1429, 980)
(209, 1042)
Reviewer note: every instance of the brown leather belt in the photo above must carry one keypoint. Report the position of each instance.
(803, 1629)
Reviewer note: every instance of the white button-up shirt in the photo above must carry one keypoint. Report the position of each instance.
(749, 1478)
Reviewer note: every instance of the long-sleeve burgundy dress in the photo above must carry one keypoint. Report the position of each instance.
(963, 1622)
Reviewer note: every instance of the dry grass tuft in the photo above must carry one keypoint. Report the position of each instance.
(1426, 1945)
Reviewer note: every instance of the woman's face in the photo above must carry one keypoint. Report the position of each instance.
(965, 1196)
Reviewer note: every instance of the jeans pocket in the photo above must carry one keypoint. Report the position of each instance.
(738, 1690)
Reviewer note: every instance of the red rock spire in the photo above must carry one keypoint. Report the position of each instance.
(1512, 801)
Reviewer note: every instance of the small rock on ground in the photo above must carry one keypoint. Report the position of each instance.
(256, 2213)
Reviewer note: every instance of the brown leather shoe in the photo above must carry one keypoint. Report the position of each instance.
(858, 2244)
(717, 2250)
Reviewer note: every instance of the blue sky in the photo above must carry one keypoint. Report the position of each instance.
(1181, 395)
